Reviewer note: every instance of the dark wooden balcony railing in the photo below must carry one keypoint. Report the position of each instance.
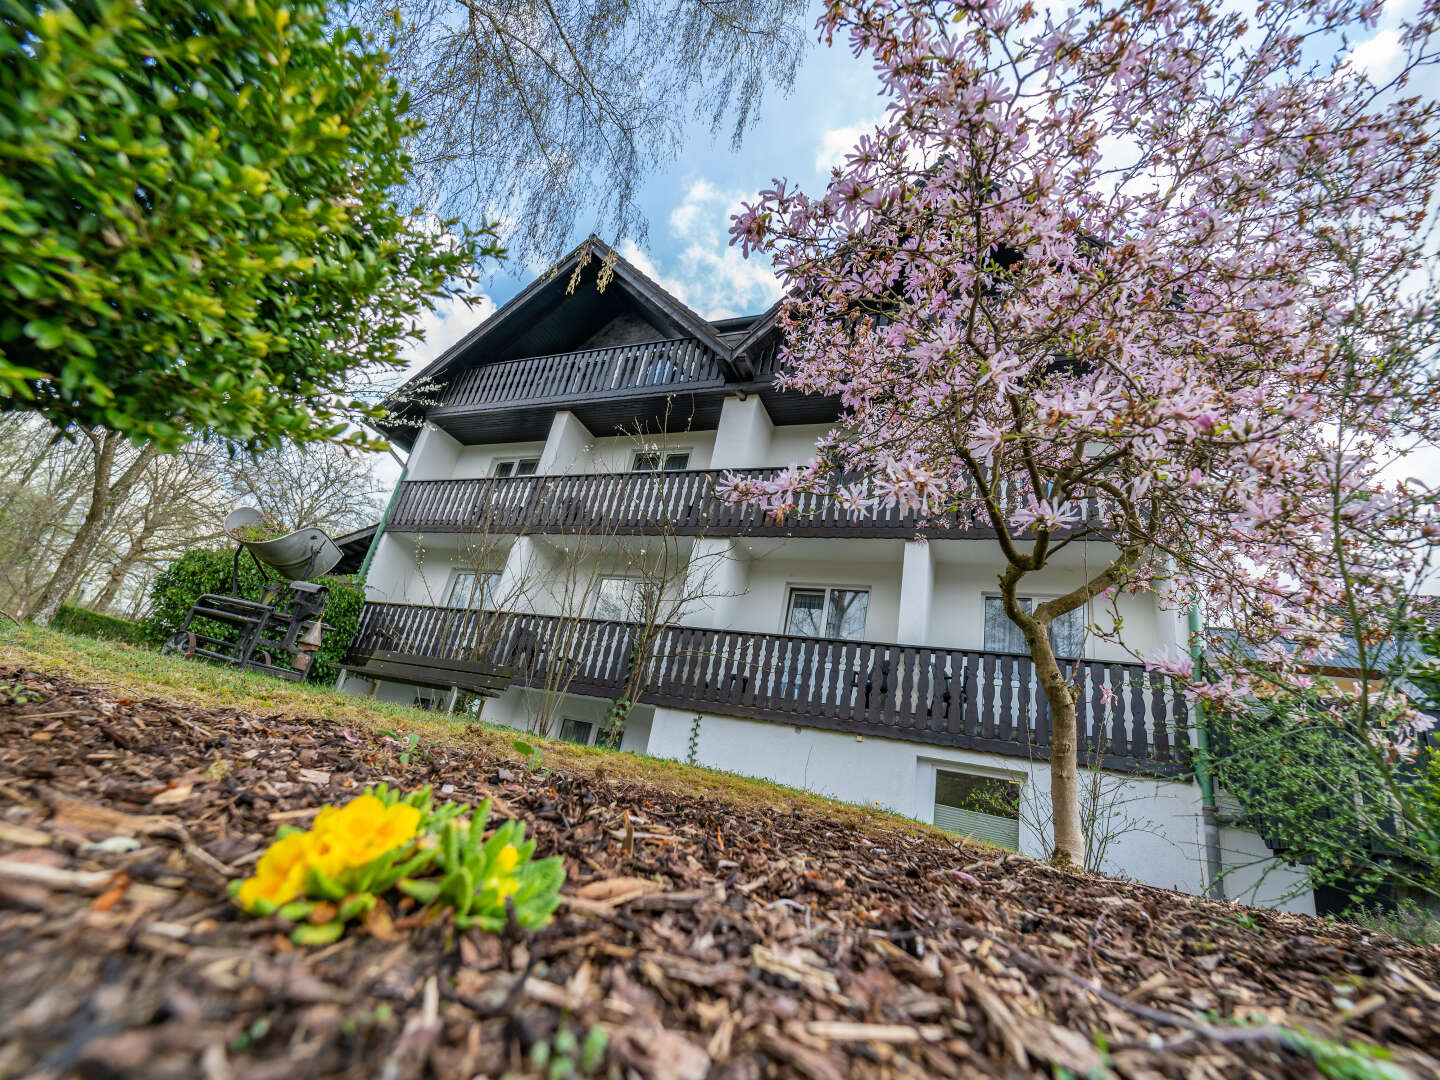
(1128, 719)
(647, 503)
(592, 375)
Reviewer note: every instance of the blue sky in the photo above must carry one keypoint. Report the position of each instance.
(689, 205)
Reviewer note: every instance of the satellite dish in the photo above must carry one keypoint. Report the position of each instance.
(304, 553)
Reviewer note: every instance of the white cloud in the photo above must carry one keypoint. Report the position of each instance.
(1377, 55)
(836, 143)
(451, 320)
(707, 273)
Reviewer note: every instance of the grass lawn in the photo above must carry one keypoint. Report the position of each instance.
(145, 673)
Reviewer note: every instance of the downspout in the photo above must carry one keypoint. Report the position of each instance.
(1209, 814)
(364, 571)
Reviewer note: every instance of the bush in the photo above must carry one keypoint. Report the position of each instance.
(187, 578)
(78, 620)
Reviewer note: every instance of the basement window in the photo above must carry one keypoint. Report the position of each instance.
(983, 807)
(517, 467)
(576, 731)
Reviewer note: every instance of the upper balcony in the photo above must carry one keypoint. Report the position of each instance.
(672, 384)
(681, 503)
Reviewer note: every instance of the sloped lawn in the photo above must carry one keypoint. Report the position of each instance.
(703, 934)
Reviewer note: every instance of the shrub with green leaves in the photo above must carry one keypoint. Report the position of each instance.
(198, 220)
(197, 572)
(83, 621)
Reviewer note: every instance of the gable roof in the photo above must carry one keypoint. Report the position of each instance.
(590, 250)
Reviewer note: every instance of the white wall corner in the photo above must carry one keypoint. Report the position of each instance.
(742, 438)
(390, 570)
(917, 592)
(433, 457)
(567, 444)
(717, 577)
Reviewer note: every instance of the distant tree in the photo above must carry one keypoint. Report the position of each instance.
(539, 112)
(321, 485)
(1192, 351)
(201, 231)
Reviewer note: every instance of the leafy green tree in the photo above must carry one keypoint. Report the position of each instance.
(1314, 786)
(200, 231)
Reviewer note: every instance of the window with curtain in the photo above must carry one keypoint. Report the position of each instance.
(830, 612)
(1067, 633)
(621, 599)
(469, 589)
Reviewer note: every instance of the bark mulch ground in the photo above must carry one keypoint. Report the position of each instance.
(705, 940)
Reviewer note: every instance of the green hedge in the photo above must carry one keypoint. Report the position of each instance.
(78, 620)
(183, 581)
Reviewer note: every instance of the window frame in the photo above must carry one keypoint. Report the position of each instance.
(663, 457)
(961, 769)
(514, 464)
(588, 725)
(1082, 612)
(487, 580)
(792, 588)
(639, 582)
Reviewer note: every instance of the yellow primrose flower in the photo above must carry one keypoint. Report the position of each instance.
(280, 873)
(502, 878)
(363, 829)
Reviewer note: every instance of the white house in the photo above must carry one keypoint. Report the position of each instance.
(555, 538)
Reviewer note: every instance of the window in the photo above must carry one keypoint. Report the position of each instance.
(1067, 633)
(828, 612)
(517, 466)
(577, 731)
(985, 807)
(471, 590)
(658, 462)
(622, 599)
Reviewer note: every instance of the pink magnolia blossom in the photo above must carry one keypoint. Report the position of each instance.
(1197, 342)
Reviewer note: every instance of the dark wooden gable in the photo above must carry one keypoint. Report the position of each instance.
(566, 313)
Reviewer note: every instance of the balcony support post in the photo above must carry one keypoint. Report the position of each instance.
(917, 593)
(715, 577)
(742, 438)
(568, 443)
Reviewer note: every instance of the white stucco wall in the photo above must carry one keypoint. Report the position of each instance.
(1161, 846)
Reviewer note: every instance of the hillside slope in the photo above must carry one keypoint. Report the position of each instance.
(703, 936)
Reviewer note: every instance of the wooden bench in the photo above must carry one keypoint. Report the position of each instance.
(433, 672)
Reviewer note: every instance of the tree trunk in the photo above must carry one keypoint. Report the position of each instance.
(117, 576)
(1069, 847)
(104, 497)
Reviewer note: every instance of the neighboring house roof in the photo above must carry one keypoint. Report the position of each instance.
(353, 546)
(1345, 660)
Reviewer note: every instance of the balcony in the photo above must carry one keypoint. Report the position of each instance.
(514, 399)
(1129, 720)
(648, 504)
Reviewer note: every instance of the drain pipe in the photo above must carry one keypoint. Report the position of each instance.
(364, 571)
(1209, 814)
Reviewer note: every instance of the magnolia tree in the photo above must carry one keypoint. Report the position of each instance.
(1140, 277)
